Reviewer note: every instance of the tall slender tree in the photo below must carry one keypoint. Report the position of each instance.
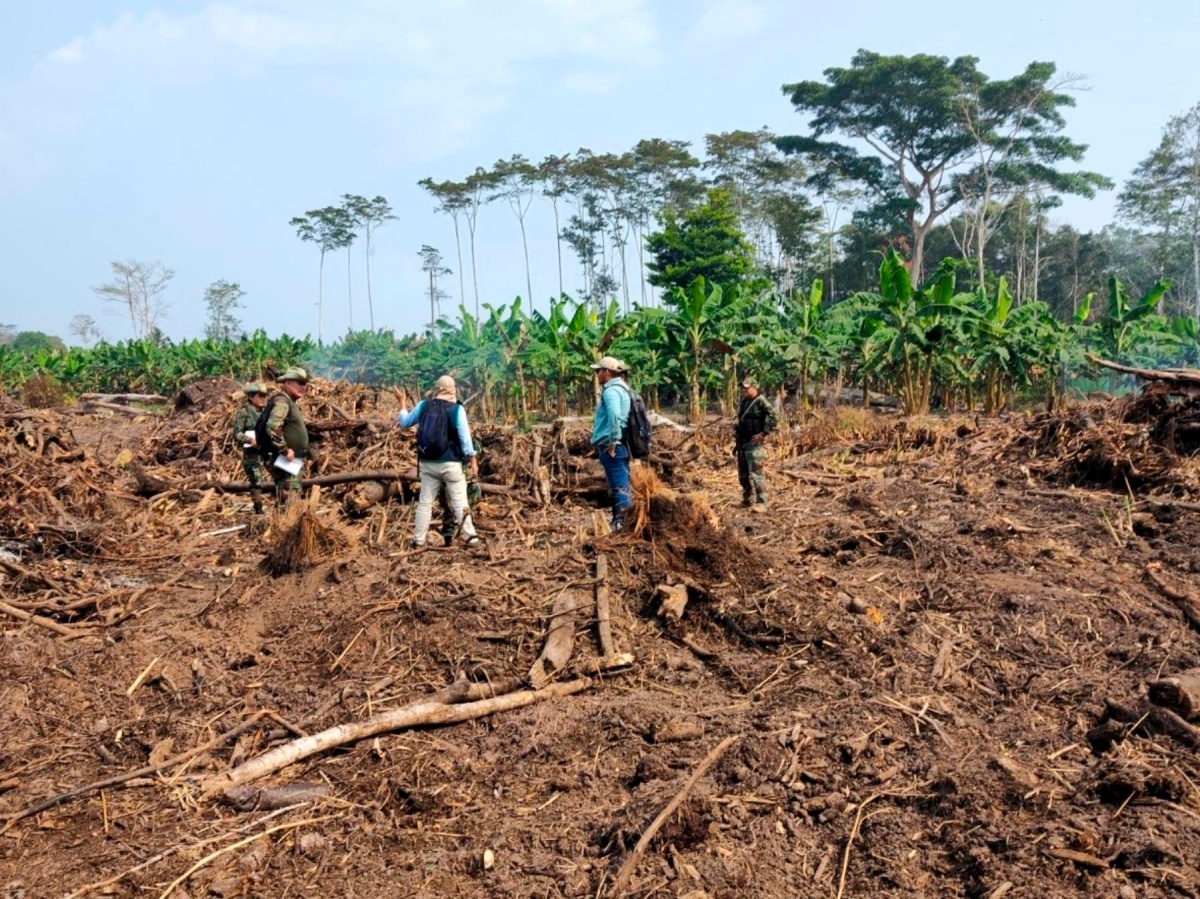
(369, 215)
(326, 228)
(431, 264)
(554, 173)
(453, 201)
(516, 181)
(480, 187)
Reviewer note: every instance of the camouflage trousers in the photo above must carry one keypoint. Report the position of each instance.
(253, 467)
(752, 460)
(474, 495)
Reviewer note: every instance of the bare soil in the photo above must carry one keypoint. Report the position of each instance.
(912, 647)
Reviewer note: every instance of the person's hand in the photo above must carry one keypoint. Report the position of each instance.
(757, 439)
(612, 449)
(475, 466)
(290, 455)
(401, 397)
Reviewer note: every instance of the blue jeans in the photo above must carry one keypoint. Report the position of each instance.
(616, 470)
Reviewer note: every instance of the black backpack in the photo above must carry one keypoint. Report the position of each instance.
(637, 433)
(261, 441)
(437, 431)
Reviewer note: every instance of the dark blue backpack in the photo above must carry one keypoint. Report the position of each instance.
(637, 432)
(437, 432)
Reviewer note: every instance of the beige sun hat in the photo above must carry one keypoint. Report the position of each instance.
(610, 363)
(295, 373)
(255, 387)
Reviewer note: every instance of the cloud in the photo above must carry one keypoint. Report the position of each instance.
(729, 19)
(448, 64)
(66, 54)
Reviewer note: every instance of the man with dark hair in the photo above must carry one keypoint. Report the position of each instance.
(443, 443)
(756, 419)
(612, 413)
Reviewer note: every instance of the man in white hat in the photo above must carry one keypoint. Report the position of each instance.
(612, 414)
(443, 444)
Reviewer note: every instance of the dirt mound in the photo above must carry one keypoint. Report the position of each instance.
(202, 395)
(1133, 443)
(8, 404)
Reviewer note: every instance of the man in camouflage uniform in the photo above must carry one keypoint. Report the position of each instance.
(756, 419)
(474, 495)
(243, 435)
(287, 434)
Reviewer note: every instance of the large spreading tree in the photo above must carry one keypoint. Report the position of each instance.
(931, 128)
(1164, 192)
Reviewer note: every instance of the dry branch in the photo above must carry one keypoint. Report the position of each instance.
(48, 623)
(635, 856)
(417, 715)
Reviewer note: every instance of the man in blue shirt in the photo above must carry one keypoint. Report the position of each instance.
(612, 413)
(443, 442)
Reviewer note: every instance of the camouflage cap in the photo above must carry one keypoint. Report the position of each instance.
(749, 382)
(255, 387)
(295, 373)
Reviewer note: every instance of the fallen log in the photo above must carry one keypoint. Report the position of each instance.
(1181, 380)
(123, 398)
(603, 606)
(421, 714)
(349, 477)
(560, 642)
(94, 405)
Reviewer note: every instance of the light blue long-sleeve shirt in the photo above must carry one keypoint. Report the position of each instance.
(612, 412)
(407, 419)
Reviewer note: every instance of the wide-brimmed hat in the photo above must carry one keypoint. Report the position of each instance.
(610, 363)
(295, 373)
(255, 387)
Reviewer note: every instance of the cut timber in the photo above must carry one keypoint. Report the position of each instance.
(1176, 380)
(123, 398)
(1187, 603)
(417, 715)
(560, 642)
(352, 477)
(368, 494)
(674, 600)
(603, 606)
(93, 405)
(1180, 693)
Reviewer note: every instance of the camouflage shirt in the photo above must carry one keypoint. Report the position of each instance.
(243, 421)
(285, 425)
(755, 416)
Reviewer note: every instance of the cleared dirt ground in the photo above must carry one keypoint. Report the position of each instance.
(911, 649)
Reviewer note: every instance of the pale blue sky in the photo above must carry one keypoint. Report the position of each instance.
(191, 132)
